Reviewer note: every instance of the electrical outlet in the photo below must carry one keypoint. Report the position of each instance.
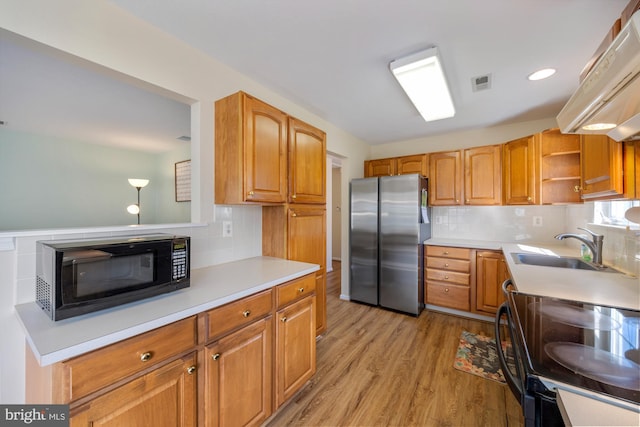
(227, 229)
(537, 221)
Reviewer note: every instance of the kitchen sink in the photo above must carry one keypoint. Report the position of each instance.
(558, 261)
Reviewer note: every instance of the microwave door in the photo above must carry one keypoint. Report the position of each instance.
(89, 255)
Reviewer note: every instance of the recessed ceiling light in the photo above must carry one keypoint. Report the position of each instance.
(542, 74)
(599, 126)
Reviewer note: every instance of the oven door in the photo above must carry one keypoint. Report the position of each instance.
(539, 406)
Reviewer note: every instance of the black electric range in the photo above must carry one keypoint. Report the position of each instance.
(589, 347)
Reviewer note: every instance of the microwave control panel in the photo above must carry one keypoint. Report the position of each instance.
(180, 260)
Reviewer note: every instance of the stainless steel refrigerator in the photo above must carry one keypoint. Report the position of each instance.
(389, 221)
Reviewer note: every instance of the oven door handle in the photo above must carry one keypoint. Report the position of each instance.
(515, 384)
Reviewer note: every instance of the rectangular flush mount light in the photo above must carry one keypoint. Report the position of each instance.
(422, 78)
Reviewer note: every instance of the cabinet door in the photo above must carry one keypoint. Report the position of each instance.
(602, 167)
(265, 152)
(491, 271)
(307, 163)
(413, 164)
(295, 348)
(445, 178)
(164, 397)
(379, 167)
(483, 175)
(306, 241)
(520, 172)
(239, 377)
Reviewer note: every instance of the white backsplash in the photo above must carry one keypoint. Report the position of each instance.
(537, 224)
(531, 224)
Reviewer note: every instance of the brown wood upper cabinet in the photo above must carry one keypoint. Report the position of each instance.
(483, 175)
(397, 166)
(250, 151)
(520, 176)
(560, 167)
(307, 159)
(264, 156)
(445, 178)
(602, 167)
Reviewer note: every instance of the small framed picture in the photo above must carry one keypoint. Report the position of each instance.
(183, 181)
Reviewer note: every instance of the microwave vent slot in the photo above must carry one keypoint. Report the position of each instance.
(43, 295)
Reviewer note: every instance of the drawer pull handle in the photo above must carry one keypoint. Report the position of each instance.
(293, 197)
(284, 319)
(246, 313)
(446, 265)
(446, 277)
(216, 356)
(191, 370)
(301, 290)
(146, 356)
(250, 193)
(294, 214)
(446, 252)
(446, 289)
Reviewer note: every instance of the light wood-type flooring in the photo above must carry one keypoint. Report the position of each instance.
(380, 368)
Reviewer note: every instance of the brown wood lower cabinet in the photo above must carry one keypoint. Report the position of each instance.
(295, 347)
(491, 271)
(224, 367)
(465, 279)
(239, 377)
(164, 397)
(448, 277)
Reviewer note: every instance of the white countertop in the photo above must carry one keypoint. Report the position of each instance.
(594, 287)
(465, 243)
(210, 287)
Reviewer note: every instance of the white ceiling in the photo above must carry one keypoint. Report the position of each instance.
(332, 56)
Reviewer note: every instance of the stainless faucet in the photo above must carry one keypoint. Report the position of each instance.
(595, 245)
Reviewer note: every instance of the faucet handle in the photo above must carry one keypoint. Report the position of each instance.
(594, 235)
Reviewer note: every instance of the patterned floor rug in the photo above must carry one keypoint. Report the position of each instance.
(477, 355)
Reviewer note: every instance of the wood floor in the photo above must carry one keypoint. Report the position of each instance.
(380, 368)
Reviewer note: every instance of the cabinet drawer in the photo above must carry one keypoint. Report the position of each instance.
(449, 264)
(233, 315)
(448, 252)
(92, 371)
(448, 276)
(295, 289)
(452, 296)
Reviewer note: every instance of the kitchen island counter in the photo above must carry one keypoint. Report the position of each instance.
(210, 287)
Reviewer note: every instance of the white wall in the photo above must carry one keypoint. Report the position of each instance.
(100, 32)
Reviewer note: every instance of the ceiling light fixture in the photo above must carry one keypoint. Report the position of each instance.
(542, 74)
(422, 78)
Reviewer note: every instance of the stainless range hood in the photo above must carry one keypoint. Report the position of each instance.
(610, 93)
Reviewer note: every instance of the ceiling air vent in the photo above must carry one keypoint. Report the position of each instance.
(481, 83)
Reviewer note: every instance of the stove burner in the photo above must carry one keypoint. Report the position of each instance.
(596, 364)
(576, 316)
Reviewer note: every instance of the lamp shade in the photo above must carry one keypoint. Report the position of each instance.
(137, 182)
(422, 78)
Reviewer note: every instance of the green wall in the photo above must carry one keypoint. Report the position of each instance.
(50, 182)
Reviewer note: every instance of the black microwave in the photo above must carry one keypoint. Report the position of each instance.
(75, 277)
